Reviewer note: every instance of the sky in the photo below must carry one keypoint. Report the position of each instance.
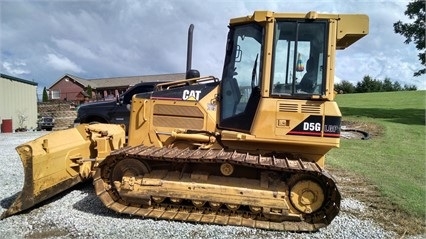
(42, 40)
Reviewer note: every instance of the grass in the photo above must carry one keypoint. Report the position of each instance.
(395, 161)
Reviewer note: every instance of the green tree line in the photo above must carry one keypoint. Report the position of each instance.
(414, 32)
(369, 84)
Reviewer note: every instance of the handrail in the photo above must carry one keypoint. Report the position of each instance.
(185, 82)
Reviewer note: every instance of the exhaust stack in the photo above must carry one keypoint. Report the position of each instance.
(190, 73)
(189, 48)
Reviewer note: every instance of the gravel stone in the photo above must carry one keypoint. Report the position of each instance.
(77, 213)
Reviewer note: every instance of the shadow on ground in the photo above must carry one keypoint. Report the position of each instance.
(402, 116)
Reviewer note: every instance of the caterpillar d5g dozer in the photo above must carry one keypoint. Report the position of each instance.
(247, 150)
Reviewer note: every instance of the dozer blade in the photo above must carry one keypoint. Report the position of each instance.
(59, 160)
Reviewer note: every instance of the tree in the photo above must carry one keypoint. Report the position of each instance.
(415, 31)
(89, 91)
(345, 87)
(22, 118)
(45, 96)
(368, 84)
(397, 86)
(387, 85)
(410, 87)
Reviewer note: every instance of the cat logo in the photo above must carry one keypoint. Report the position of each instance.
(191, 95)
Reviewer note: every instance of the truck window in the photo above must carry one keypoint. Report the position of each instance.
(127, 96)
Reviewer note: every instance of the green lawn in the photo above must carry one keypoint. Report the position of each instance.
(395, 161)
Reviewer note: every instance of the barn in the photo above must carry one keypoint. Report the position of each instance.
(18, 108)
(74, 89)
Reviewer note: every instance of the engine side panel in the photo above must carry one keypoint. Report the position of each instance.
(191, 107)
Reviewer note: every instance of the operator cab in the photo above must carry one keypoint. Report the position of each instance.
(297, 66)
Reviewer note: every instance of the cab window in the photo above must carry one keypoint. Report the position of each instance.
(299, 58)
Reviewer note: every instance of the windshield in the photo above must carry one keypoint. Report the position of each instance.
(299, 58)
(241, 72)
(126, 97)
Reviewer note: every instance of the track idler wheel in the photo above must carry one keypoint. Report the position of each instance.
(306, 194)
(129, 167)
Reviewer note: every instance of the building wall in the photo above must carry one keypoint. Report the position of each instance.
(65, 89)
(63, 113)
(18, 98)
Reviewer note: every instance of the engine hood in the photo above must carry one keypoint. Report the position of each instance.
(98, 104)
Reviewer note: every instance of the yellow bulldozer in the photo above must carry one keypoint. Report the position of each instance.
(246, 150)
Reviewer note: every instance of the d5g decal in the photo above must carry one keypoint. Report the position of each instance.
(313, 126)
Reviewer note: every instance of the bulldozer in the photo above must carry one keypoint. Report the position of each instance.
(246, 150)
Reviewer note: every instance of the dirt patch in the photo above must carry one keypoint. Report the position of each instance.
(360, 130)
(48, 233)
(380, 209)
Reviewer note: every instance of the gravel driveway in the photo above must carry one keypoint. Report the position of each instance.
(78, 213)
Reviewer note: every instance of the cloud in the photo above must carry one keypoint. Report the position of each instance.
(73, 47)
(61, 63)
(16, 68)
(337, 80)
(130, 37)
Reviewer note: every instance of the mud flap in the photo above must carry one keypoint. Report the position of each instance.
(59, 160)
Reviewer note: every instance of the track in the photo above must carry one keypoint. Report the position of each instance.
(148, 207)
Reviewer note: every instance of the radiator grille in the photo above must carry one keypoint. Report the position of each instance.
(311, 109)
(178, 122)
(175, 116)
(283, 107)
(305, 108)
(177, 110)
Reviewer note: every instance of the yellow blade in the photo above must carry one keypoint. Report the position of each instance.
(50, 166)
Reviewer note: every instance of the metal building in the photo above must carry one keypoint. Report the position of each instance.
(18, 103)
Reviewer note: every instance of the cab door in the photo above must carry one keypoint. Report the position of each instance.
(240, 92)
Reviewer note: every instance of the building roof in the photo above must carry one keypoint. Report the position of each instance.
(81, 81)
(122, 81)
(18, 79)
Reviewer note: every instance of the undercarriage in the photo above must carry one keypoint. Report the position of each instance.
(277, 192)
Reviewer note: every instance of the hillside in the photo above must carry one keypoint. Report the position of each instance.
(393, 159)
